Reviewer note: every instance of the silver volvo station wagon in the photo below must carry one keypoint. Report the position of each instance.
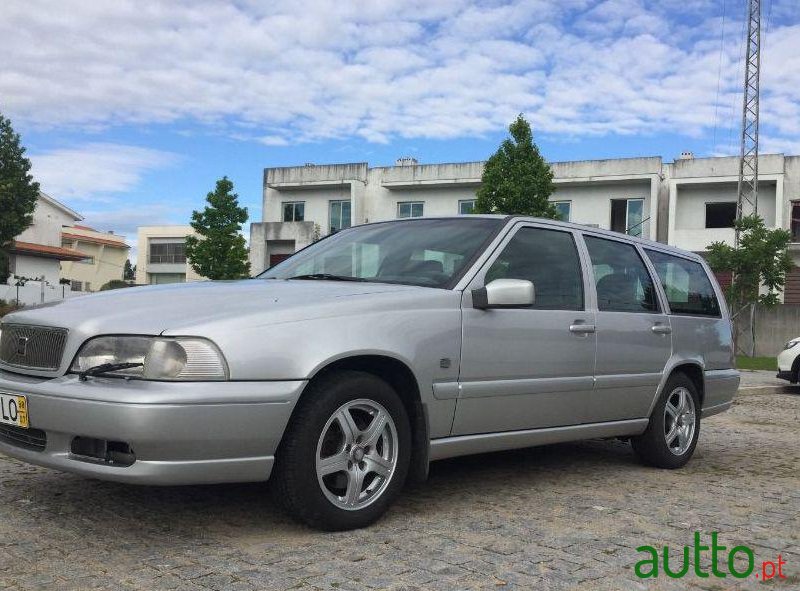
(343, 371)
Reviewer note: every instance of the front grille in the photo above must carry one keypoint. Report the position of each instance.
(34, 439)
(32, 347)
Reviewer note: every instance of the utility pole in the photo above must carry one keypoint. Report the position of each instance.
(747, 191)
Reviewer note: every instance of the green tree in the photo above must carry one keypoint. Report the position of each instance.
(220, 251)
(129, 271)
(516, 179)
(758, 265)
(18, 191)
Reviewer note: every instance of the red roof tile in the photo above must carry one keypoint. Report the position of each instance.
(42, 250)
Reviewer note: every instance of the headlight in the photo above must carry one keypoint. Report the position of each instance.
(163, 358)
(790, 344)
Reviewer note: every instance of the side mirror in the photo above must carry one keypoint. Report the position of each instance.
(504, 293)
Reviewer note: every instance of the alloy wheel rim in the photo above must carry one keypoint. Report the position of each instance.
(679, 421)
(357, 454)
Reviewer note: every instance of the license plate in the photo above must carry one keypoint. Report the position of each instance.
(14, 410)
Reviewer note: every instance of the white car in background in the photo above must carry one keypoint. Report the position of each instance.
(789, 361)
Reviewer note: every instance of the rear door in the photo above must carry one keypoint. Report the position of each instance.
(634, 340)
(528, 367)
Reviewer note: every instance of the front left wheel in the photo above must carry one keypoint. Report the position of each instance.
(345, 455)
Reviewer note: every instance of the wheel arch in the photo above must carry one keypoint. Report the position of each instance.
(691, 368)
(398, 374)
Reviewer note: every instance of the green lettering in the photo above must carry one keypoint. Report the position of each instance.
(698, 548)
(652, 561)
(749, 553)
(684, 568)
(714, 549)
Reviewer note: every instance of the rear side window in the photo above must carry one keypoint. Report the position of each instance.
(621, 278)
(548, 258)
(688, 288)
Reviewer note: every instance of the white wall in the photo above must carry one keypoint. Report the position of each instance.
(591, 204)
(47, 223)
(32, 294)
(689, 229)
(317, 204)
(35, 267)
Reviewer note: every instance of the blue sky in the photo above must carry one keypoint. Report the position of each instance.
(132, 109)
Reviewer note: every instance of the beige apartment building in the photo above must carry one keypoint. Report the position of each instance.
(104, 259)
(162, 255)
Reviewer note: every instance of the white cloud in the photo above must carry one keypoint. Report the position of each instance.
(92, 171)
(289, 71)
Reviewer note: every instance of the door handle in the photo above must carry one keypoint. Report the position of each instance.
(581, 328)
(661, 329)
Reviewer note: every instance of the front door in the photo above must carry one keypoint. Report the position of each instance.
(634, 340)
(529, 367)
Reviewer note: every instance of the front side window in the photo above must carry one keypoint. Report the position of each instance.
(688, 288)
(339, 215)
(75, 285)
(294, 211)
(627, 216)
(410, 209)
(427, 252)
(564, 209)
(795, 221)
(720, 215)
(621, 278)
(167, 252)
(547, 258)
(466, 206)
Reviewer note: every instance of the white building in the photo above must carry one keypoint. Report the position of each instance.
(37, 252)
(162, 255)
(688, 203)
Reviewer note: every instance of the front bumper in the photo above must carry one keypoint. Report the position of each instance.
(181, 433)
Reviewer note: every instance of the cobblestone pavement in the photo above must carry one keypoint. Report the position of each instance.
(560, 517)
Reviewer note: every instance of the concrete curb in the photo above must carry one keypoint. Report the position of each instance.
(765, 390)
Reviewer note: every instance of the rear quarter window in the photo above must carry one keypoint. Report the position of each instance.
(688, 288)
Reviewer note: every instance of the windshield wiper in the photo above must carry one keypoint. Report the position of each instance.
(106, 368)
(327, 276)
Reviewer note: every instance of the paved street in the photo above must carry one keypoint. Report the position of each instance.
(561, 517)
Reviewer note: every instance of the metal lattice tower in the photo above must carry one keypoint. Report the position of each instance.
(747, 197)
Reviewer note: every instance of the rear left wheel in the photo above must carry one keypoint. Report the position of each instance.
(345, 455)
(671, 436)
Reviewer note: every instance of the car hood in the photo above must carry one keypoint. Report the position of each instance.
(155, 309)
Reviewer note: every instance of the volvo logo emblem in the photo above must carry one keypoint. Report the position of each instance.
(22, 346)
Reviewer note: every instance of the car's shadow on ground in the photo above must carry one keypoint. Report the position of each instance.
(238, 509)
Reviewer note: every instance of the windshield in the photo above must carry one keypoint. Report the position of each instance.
(426, 252)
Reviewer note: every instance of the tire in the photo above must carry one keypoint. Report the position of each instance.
(338, 473)
(659, 445)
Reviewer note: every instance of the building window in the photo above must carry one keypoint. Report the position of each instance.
(564, 209)
(410, 209)
(339, 214)
(795, 221)
(466, 206)
(627, 216)
(162, 278)
(87, 261)
(75, 285)
(720, 215)
(294, 211)
(87, 286)
(167, 252)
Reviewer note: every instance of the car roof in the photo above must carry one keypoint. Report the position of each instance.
(512, 219)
